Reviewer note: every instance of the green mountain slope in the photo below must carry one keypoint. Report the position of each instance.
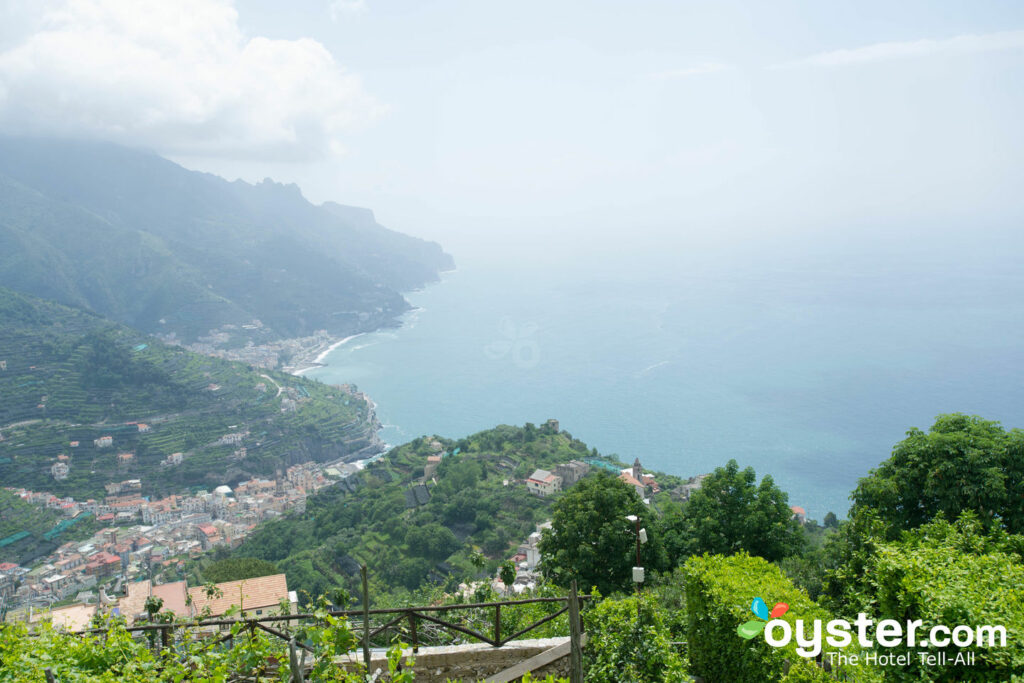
(150, 244)
(369, 518)
(68, 375)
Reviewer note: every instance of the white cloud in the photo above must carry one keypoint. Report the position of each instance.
(180, 77)
(882, 52)
(342, 7)
(699, 70)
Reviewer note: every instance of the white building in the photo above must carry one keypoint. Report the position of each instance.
(543, 483)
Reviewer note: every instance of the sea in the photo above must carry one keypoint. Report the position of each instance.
(808, 366)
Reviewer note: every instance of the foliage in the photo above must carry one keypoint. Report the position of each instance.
(72, 377)
(591, 540)
(238, 568)
(628, 642)
(117, 656)
(962, 463)
(732, 512)
(952, 574)
(719, 592)
(473, 518)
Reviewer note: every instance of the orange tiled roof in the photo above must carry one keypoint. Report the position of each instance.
(259, 593)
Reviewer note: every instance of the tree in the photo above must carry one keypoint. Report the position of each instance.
(731, 512)
(590, 538)
(962, 463)
(238, 568)
(831, 521)
(507, 573)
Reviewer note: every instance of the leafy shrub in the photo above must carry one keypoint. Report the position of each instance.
(954, 574)
(719, 592)
(628, 642)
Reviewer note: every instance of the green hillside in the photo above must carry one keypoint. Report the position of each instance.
(70, 376)
(474, 505)
(150, 244)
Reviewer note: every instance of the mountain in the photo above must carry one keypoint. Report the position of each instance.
(69, 378)
(411, 520)
(143, 241)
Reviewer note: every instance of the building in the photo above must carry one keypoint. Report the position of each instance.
(104, 442)
(571, 472)
(59, 471)
(799, 514)
(174, 595)
(543, 483)
(256, 597)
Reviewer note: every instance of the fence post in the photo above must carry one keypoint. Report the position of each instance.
(497, 625)
(575, 648)
(293, 661)
(412, 632)
(165, 636)
(366, 621)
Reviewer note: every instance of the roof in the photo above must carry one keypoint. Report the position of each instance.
(173, 595)
(630, 479)
(797, 510)
(72, 617)
(542, 476)
(258, 593)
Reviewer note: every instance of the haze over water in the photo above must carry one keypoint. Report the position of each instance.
(807, 367)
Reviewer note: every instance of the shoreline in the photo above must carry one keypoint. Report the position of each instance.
(304, 365)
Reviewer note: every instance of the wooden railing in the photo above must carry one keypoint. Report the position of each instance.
(391, 621)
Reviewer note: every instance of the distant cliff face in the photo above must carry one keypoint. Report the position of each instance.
(148, 243)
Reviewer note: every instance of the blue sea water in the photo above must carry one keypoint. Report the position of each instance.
(808, 371)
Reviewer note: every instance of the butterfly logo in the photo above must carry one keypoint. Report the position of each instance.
(753, 627)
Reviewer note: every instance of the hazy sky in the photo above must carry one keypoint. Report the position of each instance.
(479, 123)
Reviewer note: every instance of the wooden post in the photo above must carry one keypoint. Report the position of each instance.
(165, 636)
(575, 646)
(497, 625)
(366, 621)
(293, 661)
(412, 632)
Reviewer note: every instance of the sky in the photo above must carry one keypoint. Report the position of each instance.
(577, 125)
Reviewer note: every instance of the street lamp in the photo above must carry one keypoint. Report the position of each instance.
(638, 571)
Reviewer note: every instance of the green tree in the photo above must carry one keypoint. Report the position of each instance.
(507, 573)
(628, 641)
(731, 512)
(590, 538)
(962, 463)
(830, 521)
(238, 568)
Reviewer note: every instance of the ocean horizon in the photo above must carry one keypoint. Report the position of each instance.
(809, 375)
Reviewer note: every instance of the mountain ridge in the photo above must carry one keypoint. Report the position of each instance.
(169, 251)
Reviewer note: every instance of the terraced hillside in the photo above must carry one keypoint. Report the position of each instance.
(412, 521)
(118, 405)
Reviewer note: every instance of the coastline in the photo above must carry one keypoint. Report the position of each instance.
(304, 364)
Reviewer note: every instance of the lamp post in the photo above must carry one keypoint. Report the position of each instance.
(638, 570)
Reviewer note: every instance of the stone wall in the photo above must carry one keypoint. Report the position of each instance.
(474, 662)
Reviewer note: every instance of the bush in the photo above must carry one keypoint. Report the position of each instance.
(719, 592)
(952, 574)
(629, 644)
